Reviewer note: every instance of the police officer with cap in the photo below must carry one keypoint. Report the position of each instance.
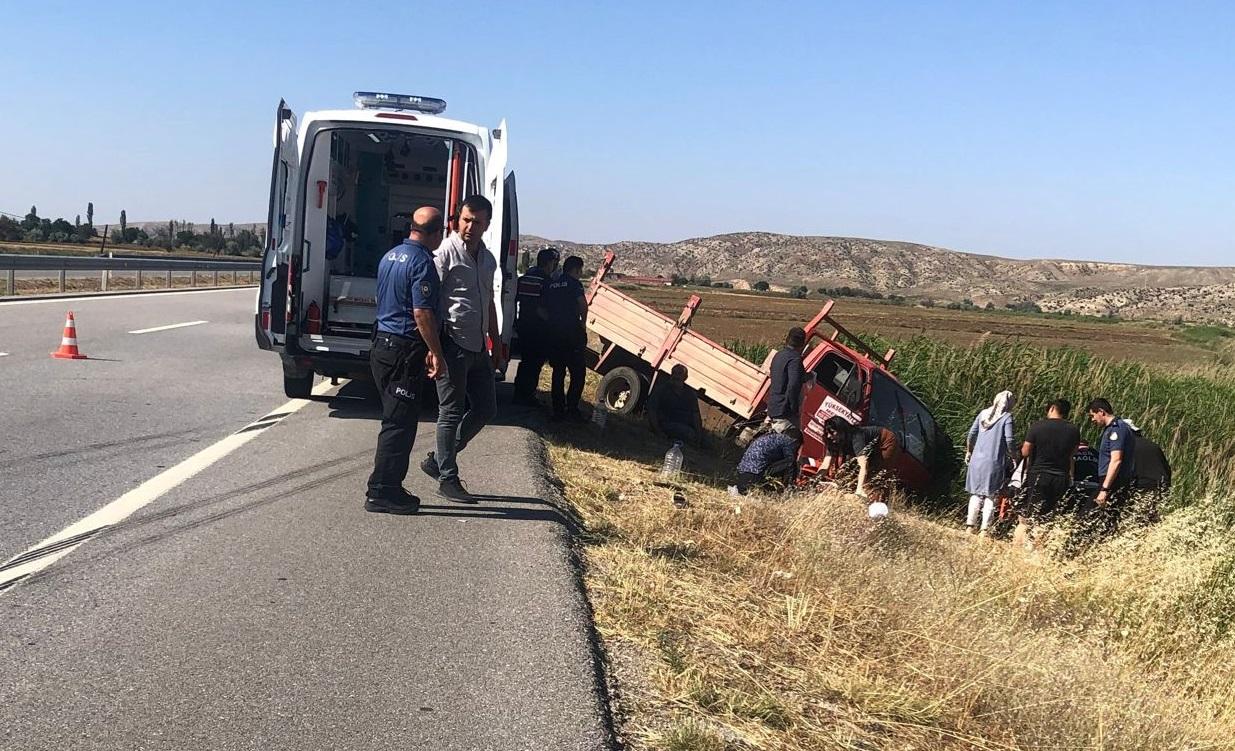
(406, 350)
(530, 324)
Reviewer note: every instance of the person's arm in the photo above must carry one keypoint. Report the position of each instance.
(425, 293)
(863, 462)
(426, 324)
(793, 389)
(1009, 436)
(653, 408)
(582, 305)
(971, 438)
(1112, 471)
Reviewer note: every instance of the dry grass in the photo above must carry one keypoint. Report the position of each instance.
(796, 623)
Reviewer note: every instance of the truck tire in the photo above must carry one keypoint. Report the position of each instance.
(621, 390)
(298, 388)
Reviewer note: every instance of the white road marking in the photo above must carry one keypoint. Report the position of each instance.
(123, 296)
(168, 326)
(68, 539)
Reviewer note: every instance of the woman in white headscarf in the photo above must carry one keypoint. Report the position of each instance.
(987, 448)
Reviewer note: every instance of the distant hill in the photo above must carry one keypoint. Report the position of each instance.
(1203, 294)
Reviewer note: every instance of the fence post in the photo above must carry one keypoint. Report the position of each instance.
(169, 278)
(139, 278)
(62, 275)
(216, 277)
(12, 290)
(193, 278)
(103, 283)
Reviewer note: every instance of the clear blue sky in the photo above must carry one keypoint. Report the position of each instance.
(1028, 129)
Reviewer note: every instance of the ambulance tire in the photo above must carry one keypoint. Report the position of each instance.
(622, 390)
(298, 388)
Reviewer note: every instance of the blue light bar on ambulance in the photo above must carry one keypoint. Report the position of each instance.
(373, 100)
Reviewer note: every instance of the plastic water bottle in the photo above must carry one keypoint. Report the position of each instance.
(674, 459)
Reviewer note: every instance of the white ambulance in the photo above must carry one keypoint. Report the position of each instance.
(343, 186)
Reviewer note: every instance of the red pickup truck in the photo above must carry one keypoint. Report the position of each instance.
(846, 377)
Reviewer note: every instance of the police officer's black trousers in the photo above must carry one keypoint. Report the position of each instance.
(567, 358)
(398, 366)
(532, 358)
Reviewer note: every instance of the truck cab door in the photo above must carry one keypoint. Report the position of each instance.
(494, 188)
(272, 298)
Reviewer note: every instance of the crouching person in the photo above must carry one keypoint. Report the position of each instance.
(673, 408)
(770, 460)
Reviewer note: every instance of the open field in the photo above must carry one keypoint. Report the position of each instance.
(92, 249)
(728, 315)
(125, 280)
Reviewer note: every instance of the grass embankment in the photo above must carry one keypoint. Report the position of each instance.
(796, 623)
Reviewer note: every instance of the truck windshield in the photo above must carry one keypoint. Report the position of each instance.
(893, 407)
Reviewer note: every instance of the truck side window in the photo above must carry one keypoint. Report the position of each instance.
(840, 377)
(895, 408)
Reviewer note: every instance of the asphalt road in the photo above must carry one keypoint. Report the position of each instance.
(255, 605)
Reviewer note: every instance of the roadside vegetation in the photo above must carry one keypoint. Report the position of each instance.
(181, 236)
(794, 622)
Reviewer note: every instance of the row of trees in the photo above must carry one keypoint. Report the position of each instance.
(218, 239)
(33, 228)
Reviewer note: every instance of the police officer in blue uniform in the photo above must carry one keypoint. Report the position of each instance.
(531, 325)
(565, 310)
(1116, 468)
(406, 349)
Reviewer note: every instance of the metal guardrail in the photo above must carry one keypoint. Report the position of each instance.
(169, 267)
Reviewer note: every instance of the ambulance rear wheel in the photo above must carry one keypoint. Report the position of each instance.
(621, 391)
(298, 388)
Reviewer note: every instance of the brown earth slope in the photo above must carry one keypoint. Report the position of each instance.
(910, 269)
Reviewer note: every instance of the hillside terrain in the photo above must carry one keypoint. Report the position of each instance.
(1199, 294)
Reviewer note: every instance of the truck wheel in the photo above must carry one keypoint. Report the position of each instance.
(298, 388)
(621, 390)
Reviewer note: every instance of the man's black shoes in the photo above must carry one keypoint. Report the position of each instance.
(429, 466)
(407, 504)
(453, 490)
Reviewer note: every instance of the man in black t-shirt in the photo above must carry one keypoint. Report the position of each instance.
(1048, 449)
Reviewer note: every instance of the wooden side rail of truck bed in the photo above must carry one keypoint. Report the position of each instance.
(628, 330)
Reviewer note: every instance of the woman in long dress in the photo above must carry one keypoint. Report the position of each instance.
(987, 450)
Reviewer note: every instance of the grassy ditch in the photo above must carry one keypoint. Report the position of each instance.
(1189, 412)
(795, 623)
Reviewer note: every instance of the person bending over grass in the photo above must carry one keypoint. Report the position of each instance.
(875, 449)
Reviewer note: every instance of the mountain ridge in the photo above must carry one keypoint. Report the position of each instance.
(915, 270)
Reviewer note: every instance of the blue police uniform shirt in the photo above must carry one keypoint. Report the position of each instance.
(407, 280)
(561, 300)
(1117, 437)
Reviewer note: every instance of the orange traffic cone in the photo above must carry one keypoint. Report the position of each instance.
(68, 342)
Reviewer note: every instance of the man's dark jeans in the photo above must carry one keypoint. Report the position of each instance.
(468, 384)
(398, 367)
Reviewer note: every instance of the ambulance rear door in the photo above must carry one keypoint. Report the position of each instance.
(272, 299)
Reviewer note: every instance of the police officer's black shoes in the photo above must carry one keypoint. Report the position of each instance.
(407, 504)
(453, 490)
(429, 466)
